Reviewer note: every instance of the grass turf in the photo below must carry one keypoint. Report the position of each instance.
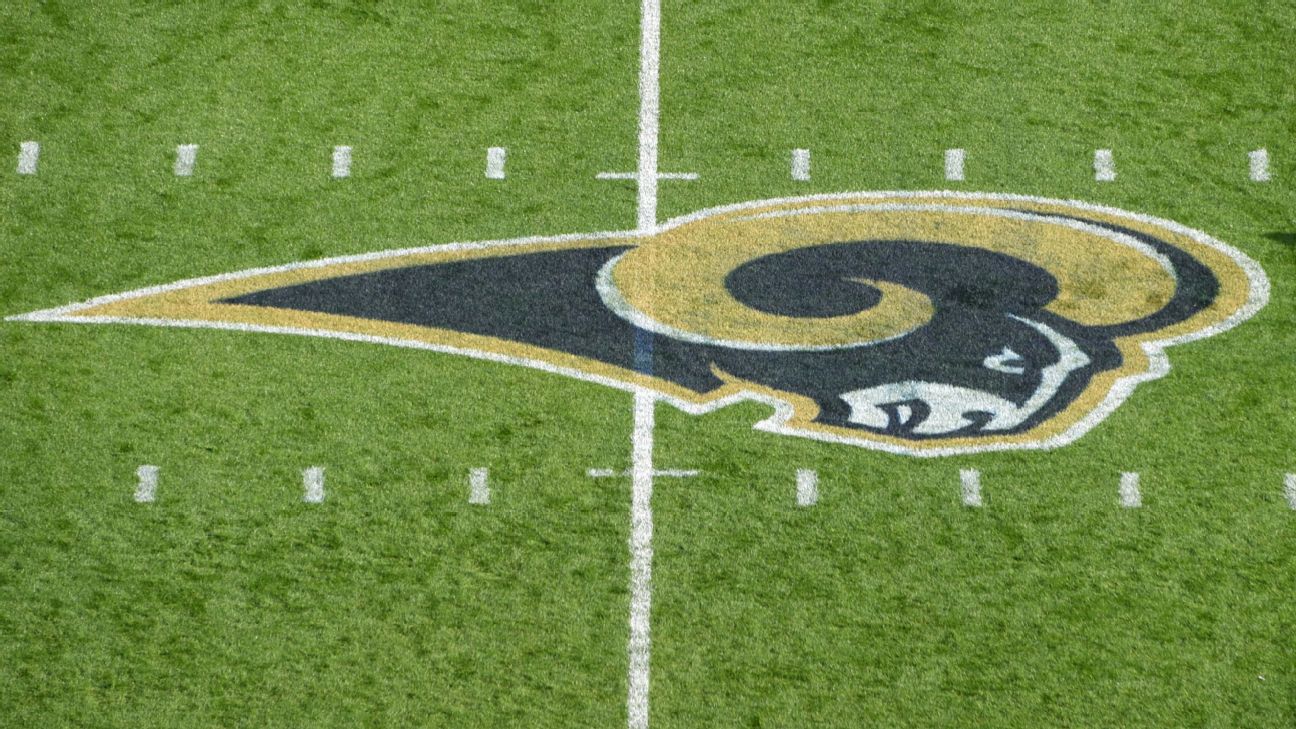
(228, 602)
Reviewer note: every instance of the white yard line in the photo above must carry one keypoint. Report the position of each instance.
(479, 486)
(1104, 165)
(649, 115)
(28, 156)
(657, 473)
(1129, 491)
(341, 161)
(146, 490)
(954, 164)
(801, 164)
(635, 175)
(186, 156)
(495, 157)
(971, 480)
(1289, 489)
(313, 482)
(1259, 165)
(641, 553)
(807, 485)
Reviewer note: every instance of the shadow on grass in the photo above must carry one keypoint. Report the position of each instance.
(1287, 239)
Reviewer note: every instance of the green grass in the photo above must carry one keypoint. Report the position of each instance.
(230, 603)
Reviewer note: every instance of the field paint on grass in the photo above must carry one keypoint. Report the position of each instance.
(495, 157)
(649, 123)
(641, 554)
(635, 176)
(313, 481)
(666, 473)
(186, 156)
(1104, 165)
(28, 156)
(801, 164)
(341, 161)
(971, 480)
(1129, 491)
(478, 485)
(1289, 488)
(146, 489)
(1260, 165)
(954, 164)
(807, 482)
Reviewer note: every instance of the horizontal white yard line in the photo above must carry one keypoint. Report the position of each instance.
(28, 156)
(495, 157)
(186, 156)
(635, 176)
(146, 489)
(801, 164)
(1104, 165)
(664, 473)
(313, 481)
(1129, 491)
(954, 164)
(971, 481)
(341, 161)
(807, 487)
(479, 486)
(1259, 165)
(1289, 488)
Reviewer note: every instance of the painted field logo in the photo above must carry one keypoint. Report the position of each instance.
(918, 323)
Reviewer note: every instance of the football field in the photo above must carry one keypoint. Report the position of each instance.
(717, 364)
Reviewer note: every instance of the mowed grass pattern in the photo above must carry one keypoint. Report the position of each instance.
(229, 602)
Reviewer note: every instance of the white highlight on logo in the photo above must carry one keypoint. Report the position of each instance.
(1260, 165)
(954, 164)
(1289, 488)
(999, 362)
(146, 489)
(1129, 491)
(641, 555)
(1104, 165)
(495, 163)
(28, 156)
(186, 156)
(801, 164)
(807, 486)
(341, 161)
(479, 488)
(971, 481)
(313, 481)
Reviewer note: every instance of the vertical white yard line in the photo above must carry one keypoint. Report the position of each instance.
(807, 485)
(28, 155)
(478, 485)
(495, 163)
(1104, 165)
(801, 164)
(1260, 165)
(146, 489)
(649, 113)
(313, 481)
(971, 480)
(954, 164)
(186, 156)
(1289, 488)
(1129, 491)
(341, 161)
(641, 554)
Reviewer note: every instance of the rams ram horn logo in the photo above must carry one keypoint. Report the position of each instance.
(917, 323)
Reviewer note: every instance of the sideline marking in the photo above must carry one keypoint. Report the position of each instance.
(801, 164)
(807, 484)
(635, 175)
(971, 479)
(146, 490)
(495, 163)
(954, 164)
(1289, 487)
(186, 156)
(313, 480)
(479, 488)
(1129, 491)
(667, 473)
(28, 156)
(1104, 165)
(341, 161)
(1260, 165)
